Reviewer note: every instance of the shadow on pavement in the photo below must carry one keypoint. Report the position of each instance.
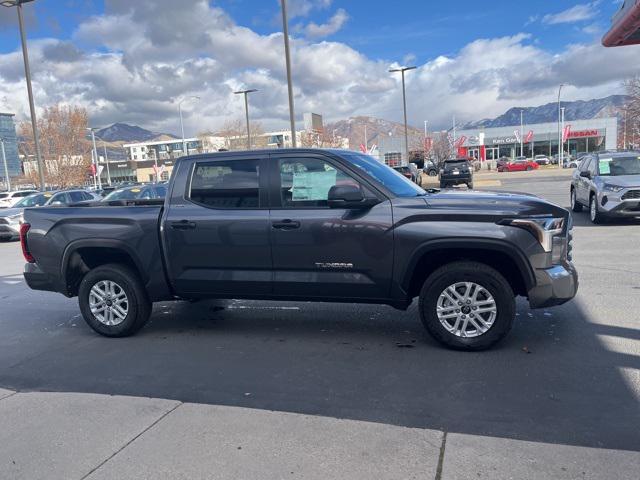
(552, 381)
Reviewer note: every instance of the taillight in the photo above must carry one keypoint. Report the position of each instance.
(24, 228)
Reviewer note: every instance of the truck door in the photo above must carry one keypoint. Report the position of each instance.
(319, 252)
(216, 230)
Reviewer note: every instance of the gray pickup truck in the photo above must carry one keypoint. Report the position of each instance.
(306, 225)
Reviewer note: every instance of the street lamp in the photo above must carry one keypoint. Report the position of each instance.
(97, 181)
(184, 144)
(246, 109)
(522, 133)
(402, 70)
(287, 55)
(27, 71)
(560, 150)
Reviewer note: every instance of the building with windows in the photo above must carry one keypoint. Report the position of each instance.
(9, 138)
(579, 136)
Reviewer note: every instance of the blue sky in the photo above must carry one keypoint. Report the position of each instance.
(380, 29)
(132, 61)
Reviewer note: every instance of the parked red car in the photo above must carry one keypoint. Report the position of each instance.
(519, 165)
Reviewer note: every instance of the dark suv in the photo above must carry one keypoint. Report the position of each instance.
(456, 172)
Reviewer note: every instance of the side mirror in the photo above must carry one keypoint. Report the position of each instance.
(585, 174)
(348, 197)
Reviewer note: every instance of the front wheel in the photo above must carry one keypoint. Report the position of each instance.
(575, 205)
(594, 214)
(470, 185)
(113, 301)
(467, 306)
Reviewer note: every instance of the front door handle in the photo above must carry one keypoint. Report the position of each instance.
(184, 225)
(286, 225)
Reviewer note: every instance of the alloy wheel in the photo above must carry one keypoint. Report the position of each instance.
(109, 303)
(466, 309)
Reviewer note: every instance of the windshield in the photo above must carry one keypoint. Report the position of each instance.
(33, 201)
(398, 184)
(619, 166)
(126, 194)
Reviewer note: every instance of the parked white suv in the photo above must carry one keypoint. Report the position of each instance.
(9, 199)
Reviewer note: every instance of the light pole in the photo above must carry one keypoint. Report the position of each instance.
(7, 179)
(184, 144)
(246, 109)
(522, 133)
(559, 127)
(402, 70)
(561, 158)
(106, 161)
(96, 178)
(287, 55)
(27, 71)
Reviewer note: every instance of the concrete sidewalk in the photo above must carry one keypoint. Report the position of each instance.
(84, 436)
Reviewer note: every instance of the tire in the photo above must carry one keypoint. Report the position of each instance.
(137, 304)
(443, 185)
(470, 186)
(529, 168)
(433, 173)
(493, 283)
(575, 205)
(595, 216)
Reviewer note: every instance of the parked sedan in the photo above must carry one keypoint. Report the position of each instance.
(519, 166)
(9, 199)
(542, 160)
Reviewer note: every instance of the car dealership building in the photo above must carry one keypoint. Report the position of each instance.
(579, 136)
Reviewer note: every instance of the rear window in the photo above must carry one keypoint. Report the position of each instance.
(226, 184)
(456, 163)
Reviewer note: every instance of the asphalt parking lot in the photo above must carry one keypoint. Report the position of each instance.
(568, 375)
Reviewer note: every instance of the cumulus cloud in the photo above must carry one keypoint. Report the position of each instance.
(136, 64)
(577, 13)
(334, 25)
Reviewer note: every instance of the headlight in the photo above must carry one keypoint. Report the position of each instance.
(545, 229)
(613, 188)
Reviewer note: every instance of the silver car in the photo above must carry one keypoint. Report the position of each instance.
(12, 218)
(608, 184)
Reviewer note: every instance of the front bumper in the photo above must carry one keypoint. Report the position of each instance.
(619, 204)
(554, 286)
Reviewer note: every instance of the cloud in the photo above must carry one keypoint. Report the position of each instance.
(577, 13)
(302, 8)
(137, 61)
(334, 25)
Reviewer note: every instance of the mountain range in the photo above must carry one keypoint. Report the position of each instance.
(354, 128)
(578, 110)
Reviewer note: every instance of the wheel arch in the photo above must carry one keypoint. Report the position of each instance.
(84, 255)
(504, 257)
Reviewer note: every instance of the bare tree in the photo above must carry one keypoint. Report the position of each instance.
(441, 149)
(234, 133)
(320, 139)
(630, 124)
(65, 149)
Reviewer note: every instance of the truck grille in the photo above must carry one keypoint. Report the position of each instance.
(631, 195)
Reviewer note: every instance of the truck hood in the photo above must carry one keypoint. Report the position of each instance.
(492, 204)
(626, 181)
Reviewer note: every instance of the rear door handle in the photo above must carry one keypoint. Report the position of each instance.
(184, 225)
(286, 225)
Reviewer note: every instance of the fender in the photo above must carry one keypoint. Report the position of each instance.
(518, 257)
(101, 243)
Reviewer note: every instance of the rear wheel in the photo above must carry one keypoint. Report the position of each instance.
(470, 185)
(529, 168)
(113, 301)
(433, 173)
(467, 306)
(575, 205)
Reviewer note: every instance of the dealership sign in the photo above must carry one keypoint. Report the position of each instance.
(505, 140)
(584, 134)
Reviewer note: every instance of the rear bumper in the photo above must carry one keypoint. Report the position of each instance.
(456, 179)
(37, 279)
(554, 286)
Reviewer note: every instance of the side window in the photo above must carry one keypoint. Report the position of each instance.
(584, 165)
(87, 196)
(161, 192)
(227, 184)
(305, 183)
(77, 196)
(60, 198)
(593, 166)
